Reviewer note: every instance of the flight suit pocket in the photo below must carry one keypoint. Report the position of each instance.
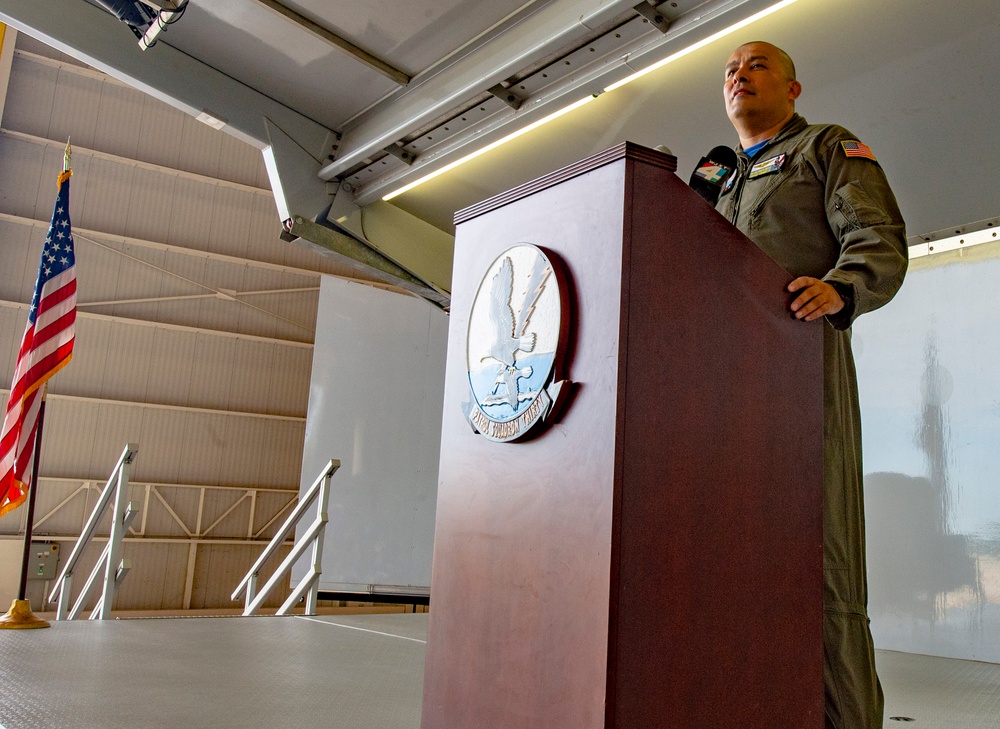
(771, 184)
(854, 209)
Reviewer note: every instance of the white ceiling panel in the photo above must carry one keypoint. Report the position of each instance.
(412, 36)
(76, 105)
(229, 231)
(238, 37)
(30, 94)
(19, 255)
(121, 371)
(119, 121)
(20, 177)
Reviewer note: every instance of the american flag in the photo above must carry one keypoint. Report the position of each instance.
(857, 149)
(46, 347)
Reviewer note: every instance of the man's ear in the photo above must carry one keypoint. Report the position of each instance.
(794, 90)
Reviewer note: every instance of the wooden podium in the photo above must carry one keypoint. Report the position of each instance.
(654, 558)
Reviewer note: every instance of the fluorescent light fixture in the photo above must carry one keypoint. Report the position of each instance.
(271, 165)
(702, 43)
(488, 147)
(673, 57)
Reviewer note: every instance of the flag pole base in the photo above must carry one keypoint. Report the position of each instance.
(20, 616)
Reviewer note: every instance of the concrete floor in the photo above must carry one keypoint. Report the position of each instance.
(330, 671)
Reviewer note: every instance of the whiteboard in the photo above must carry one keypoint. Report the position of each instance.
(375, 404)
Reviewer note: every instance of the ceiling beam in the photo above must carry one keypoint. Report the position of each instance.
(528, 41)
(373, 62)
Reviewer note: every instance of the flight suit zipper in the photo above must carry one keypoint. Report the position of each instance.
(742, 168)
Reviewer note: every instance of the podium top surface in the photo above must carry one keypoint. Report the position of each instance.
(625, 150)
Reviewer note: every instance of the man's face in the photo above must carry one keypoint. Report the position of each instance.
(757, 87)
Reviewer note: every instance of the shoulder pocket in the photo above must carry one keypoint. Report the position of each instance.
(853, 208)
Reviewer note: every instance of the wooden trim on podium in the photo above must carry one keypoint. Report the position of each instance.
(625, 150)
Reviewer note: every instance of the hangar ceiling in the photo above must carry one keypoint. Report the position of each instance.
(352, 100)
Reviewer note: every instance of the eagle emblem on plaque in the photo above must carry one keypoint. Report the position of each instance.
(513, 341)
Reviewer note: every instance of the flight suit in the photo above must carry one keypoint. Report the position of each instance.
(824, 209)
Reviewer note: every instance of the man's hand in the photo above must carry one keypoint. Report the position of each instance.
(818, 298)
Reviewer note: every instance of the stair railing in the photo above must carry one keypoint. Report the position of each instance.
(318, 493)
(110, 562)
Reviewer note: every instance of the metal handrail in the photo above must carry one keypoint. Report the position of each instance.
(318, 492)
(114, 567)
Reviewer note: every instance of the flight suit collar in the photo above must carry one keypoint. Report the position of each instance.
(795, 125)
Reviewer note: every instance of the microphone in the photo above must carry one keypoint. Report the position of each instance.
(712, 172)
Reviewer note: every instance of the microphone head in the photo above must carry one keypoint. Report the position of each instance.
(712, 171)
(663, 148)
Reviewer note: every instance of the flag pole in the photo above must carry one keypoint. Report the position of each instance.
(20, 615)
(32, 492)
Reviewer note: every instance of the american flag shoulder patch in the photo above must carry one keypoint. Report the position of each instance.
(854, 148)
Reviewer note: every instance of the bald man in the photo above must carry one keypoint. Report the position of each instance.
(815, 199)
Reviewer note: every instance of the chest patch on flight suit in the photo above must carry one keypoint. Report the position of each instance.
(767, 166)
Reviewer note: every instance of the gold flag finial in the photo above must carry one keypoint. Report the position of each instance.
(67, 155)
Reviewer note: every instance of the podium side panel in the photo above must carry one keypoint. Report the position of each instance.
(719, 609)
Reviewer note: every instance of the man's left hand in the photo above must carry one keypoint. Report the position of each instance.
(817, 298)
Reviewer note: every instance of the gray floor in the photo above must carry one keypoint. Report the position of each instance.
(224, 673)
(330, 671)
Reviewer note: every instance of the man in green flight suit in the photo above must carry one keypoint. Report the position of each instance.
(814, 198)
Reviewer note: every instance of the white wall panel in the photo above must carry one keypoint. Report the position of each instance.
(18, 260)
(149, 214)
(161, 133)
(200, 148)
(229, 232)
(156, 581)
(124, 372)
(241, 162)
(12, 321)
(175, 446)
(190, 215)
(75, 108)
(102, 190)
(216, 561)
(119, 118)
(30, 95)
(20, 177)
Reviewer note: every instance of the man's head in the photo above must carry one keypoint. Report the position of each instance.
(760, 90)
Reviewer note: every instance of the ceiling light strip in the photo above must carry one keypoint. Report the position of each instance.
(702, 43)
(488, 147)
(659, 64)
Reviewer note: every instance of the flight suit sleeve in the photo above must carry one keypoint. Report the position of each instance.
(863, 215)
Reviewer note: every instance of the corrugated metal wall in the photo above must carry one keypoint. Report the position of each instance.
(194, 337)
